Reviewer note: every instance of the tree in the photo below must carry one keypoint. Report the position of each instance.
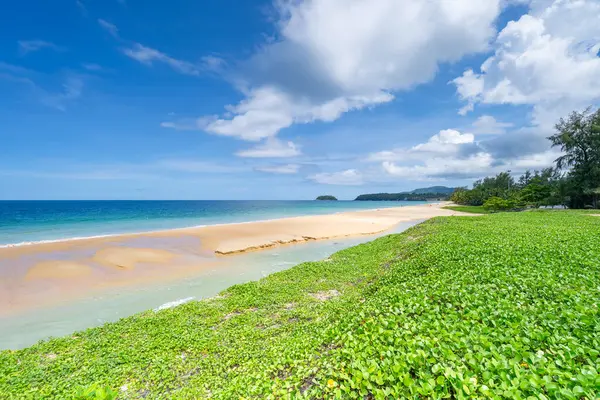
(524, 179)
(498, 204)
(575, 182)
(578, 137)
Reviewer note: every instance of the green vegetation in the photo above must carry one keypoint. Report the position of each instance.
(497, 306)
(469, 209)
(495, 204)
(434, 189)
(421, 194)
(401, 197)
(327, 197)
(574, 182)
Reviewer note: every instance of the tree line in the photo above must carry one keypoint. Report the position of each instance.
(402, 197)
(573, 181)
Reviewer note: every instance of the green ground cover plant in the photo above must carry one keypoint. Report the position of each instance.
(496, 306)
(469, 209)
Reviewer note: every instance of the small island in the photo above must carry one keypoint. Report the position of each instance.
(327, 198)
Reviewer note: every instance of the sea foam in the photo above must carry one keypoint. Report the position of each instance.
(173, 304)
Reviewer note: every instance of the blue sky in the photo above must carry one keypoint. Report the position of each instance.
(124, 99)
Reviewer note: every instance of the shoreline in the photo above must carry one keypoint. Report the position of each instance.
(45, 273)
(168, 231)
(124, 234)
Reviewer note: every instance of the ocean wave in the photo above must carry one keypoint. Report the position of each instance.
(173, 304)
(6, 245)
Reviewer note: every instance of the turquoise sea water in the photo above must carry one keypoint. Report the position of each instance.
(34, 221)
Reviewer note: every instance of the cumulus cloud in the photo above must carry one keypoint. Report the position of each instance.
(444, 142)
(451, 154)
(474, 166)
(547, 59)
(30, 46)
(442, 168)
(488, 125)
(267, 110)
(349, 177)
(447, 141)
(287, 169)
(335, 56)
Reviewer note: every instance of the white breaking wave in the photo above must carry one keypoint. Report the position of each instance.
(2, 246)
(173, 304)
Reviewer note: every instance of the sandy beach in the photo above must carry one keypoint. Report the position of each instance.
(41, 273)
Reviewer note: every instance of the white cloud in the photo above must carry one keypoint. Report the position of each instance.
(451, 154)
(474, 166)
(444, 142)
(441, 167)
(30, 46)
(280, 169)
(271, 148)
(108, 27)
(547, 59)
(267, 110)
(148, 56)
(536, 161)
(488, 125)
(349, 177)
(213, 63)
(183, 125)
(334, 56)
(469, 86)
(447, 141)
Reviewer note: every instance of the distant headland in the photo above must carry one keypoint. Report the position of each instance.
(421, 194)
(327, 198)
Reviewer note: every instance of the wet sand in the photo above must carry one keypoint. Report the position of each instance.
(40, 274)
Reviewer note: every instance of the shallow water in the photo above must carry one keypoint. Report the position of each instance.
(24, 222)
(27, 328)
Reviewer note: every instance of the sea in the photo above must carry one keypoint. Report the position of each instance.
(25, 222)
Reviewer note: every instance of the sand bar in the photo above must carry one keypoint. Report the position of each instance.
(39, 273)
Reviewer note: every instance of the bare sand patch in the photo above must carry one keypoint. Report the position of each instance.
(238, 238)
(325, 295)
(129, 257)
(58, 269)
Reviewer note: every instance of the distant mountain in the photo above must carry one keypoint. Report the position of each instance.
(421, 194)
(434, 189)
